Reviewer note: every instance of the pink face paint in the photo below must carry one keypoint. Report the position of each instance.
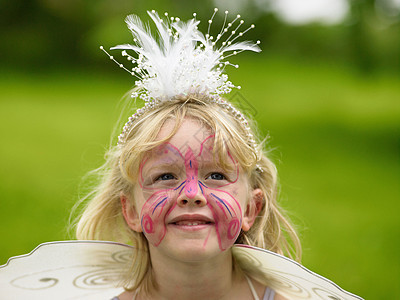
(192, 168)
(153, 214)
(228, 215)
(225, 209)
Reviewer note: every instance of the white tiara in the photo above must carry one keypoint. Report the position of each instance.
(182, 61)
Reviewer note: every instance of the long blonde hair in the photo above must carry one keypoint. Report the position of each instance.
(102, 218)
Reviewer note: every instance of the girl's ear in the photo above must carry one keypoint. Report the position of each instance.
(131, 216)
(253, 209)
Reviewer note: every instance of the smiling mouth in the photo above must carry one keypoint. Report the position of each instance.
(192, 220)
(191, 223)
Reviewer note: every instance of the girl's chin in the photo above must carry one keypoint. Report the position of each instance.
(190, 250)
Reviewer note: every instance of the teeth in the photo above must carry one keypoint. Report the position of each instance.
(188, 223)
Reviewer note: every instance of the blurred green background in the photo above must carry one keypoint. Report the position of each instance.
(327, 94)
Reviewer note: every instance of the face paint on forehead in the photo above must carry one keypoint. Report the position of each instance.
(225, 209)
(165, 154)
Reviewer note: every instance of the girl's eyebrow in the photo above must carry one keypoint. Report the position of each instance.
(161, 159)
(208, 160)
(154, 166)
(214, 165)
(208, 163)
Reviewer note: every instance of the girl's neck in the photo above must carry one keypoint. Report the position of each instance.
(211, 279)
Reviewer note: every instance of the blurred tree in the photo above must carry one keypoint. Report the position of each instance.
(362, 13)
(43, 33)
(374, 40)
(51, 33)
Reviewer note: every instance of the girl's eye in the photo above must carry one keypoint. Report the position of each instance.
(217, 176)
(166, 176)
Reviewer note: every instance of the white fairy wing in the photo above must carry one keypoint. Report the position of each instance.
(92, 269)
(65, 270)
(287, 277)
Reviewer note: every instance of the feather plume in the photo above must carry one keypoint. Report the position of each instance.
(180, 60)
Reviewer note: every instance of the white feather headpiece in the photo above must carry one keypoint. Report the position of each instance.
(180, 60)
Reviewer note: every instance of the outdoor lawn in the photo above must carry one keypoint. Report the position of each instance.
(334, 135)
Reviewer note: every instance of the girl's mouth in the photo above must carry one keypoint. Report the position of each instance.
(191, 219)
(190, 223)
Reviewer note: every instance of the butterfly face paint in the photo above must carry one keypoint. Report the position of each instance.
(184, 190)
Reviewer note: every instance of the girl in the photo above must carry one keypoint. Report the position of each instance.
(188, 178)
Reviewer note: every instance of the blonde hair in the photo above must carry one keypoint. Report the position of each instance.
(102, 217)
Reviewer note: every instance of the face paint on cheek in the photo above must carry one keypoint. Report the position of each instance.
(226, 210)
(153, 215)
(227, 215)
(158, 204)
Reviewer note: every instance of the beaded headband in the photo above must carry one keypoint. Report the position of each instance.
(182, 61)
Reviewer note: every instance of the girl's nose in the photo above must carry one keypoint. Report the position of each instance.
(194, 199)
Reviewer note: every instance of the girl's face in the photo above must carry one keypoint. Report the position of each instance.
(185, 203)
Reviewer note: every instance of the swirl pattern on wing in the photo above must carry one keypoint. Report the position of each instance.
(99, 278)
(246, 259)
(284, 282)
(122, 256)
(326, 295)
(105, 273)
(34, 282)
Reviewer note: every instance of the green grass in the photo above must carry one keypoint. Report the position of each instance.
(336, 141)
